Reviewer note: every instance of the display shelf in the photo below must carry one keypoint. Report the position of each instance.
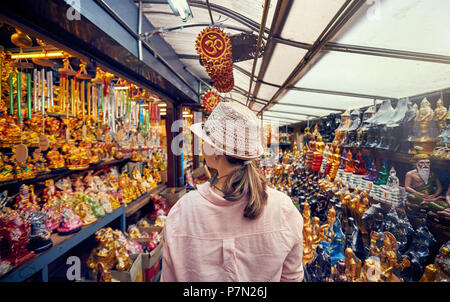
(400, 157)
(61, 244)
(139, 203)
(63, 172)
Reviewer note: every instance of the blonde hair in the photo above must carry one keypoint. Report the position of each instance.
(246, 181)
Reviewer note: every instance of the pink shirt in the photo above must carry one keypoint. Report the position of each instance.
(207, 239)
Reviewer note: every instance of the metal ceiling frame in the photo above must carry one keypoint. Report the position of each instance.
(293, 113)
(258, 44)
(348, 9)
(281, 13)
(137, 36)
(220, 9)
(322, 44)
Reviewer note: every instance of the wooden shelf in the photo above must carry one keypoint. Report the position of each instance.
(400, 157)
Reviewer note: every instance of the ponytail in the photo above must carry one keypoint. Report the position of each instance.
(246, 181)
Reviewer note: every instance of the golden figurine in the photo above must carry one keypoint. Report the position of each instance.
(55, 158)
(84, 210)
(388, 256)
(308, 251)
(306, 214)
(353, 204)
(316, 237)
(426, 116)
(352, 266)
(430, 274)
(441, 114)
(6, 170)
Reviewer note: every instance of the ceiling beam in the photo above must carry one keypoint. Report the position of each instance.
(338, 21)
(281, 118)
(219, 9)
(293, 113)
(279, 19)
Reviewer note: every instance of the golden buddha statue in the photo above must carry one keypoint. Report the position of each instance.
(353, 204)
(343, 127)
(352, 266)
(441, 114)
(308, 251)
(55, 158)
(426, 115)
(306, 214)
(316, 231)
(388, 256)
(335, 164)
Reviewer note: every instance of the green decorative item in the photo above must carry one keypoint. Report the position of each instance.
(11, 94)
(382, 175)
(19, 96)
(29, 94)
(97, 208)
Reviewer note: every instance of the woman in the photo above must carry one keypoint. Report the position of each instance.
(233, 228)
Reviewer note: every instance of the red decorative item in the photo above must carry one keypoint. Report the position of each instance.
(214, 49)
(210, 100)
(14, 234)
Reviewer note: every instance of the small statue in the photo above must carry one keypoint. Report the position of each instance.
(382, 175)
(352, 266)
(371, 270)
(26, 201)
(40, 236)
(349, 164)
(338, 272)
(425, 119)
(422, 186)
(360, 168)
(388, 259)
(14, 231)
(320, 268)
(55, 158)
(441, 114)
(71, 222)
(308, 251)
(84, 211)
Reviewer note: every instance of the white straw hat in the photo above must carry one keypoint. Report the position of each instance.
(232, 129)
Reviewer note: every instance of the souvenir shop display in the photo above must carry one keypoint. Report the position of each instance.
(68, 128)
(363, 221)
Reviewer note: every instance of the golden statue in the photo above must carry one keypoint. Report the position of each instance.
(84, 210)
(316, 237)
(353, 204)
(388, 256)
(55, 158)
(441, 114)
(306, 215)
(352, 266)
(426, 115)
(308, 251)
(430, 274)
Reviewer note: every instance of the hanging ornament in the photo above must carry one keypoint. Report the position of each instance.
(43, 61)
(214, 48)
(210, 100)
(21, 39)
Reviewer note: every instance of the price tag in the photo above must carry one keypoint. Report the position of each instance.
(67, 135)
(21, 153)
(44, 143)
